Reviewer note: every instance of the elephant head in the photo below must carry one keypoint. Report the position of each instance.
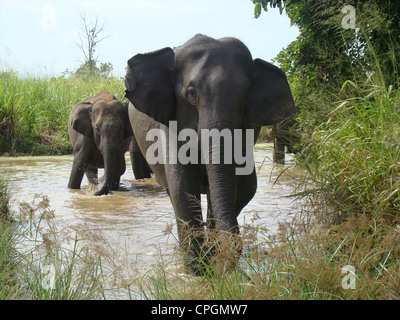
(103, 121)
(208, 84)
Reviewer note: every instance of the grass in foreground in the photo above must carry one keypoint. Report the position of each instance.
(298, 263)
(39, 262)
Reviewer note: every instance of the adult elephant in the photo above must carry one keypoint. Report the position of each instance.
(100, 134)
(284, 135)
(205, 84)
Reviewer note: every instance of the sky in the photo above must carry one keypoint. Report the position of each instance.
(40, 37)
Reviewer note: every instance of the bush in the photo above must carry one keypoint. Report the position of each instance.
(353, 157)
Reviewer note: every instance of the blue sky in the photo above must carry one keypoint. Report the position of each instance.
(39, 37)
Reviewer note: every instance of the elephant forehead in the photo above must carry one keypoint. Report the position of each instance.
(201, 45)
(198, 57)
(207, 64)
(108, 107)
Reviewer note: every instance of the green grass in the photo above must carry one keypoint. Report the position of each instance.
(354, 155)
(34, 111)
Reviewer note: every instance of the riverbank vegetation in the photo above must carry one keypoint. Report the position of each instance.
(34, 111)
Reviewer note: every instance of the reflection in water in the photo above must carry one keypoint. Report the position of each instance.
(134, 222)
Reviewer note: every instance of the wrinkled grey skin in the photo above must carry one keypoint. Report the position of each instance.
(100, 134)
(140, 167)
(205, 84)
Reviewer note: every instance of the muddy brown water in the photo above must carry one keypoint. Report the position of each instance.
(133, 222)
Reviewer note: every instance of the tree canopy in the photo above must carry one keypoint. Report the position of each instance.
(338, 44)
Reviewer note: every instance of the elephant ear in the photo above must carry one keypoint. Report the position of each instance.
(149, 86)
(270, 100)
(82, 122)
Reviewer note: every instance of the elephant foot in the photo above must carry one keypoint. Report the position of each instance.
(226, 249)
(103, 191)
(196, 266)
(91, 175)
(218, 254)
(195, 255)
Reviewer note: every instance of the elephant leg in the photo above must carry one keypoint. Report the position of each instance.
(184, 192)
(78, 170)
(115, 185)
(123, 165)
(140, 167)
(279, 146)
(188, 217)
(91, 174)
(246, 184)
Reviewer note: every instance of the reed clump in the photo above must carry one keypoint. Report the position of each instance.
(41, 261)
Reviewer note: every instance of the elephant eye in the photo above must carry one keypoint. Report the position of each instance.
(191, 95)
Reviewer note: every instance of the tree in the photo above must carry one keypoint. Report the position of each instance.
(91, 34)
(334, 60)
(328, 53)
(106, 69)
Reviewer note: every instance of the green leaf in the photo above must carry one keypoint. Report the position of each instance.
(257, 10)
(280, 8)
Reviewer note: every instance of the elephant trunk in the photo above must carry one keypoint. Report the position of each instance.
(222, 191)
(112, 165)
(221, 180)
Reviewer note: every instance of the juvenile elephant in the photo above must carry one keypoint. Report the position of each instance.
(205, 85)
(100, 134)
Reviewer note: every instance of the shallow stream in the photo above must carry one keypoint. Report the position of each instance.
(134, 222)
